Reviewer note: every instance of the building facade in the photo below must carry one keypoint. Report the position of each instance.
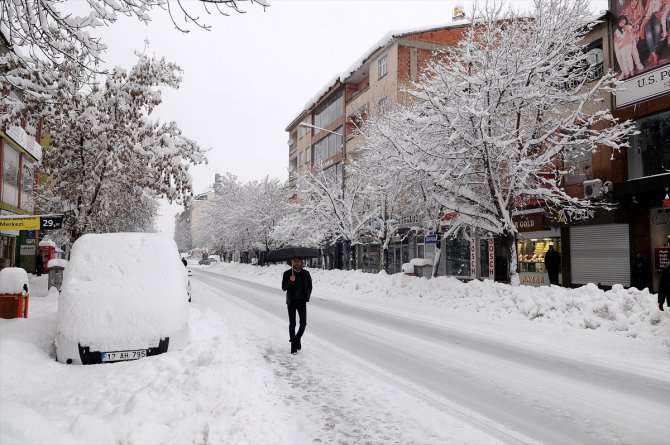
(596, 246)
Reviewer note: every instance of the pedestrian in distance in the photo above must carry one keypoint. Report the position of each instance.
(552, 261)
(297, 282)
(39, 265)
(639, 275)
(664, 288)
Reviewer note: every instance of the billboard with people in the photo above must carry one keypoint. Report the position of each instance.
(641, 41)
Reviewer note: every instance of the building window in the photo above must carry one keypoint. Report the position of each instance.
(383, 66)
(328, 146)
(303, 130)
(329, 113)
(457, 253)
(334, 173)
(578, 167)
(649, 154)
(383, 105)
(595, 59)
(28, 181)
(10, 176)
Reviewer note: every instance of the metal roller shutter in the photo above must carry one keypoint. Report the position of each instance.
(600, 254)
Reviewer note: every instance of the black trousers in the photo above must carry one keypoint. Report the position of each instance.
(301, 308)
(553, 276)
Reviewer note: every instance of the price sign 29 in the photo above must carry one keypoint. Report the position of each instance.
(52, 222)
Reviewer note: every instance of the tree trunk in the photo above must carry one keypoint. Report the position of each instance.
(383, 256)
(438, 255)
(352, 257)
(513, 273)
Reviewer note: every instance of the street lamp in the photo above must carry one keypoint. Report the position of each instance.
(305, 124)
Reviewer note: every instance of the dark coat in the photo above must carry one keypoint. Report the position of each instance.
(552, 259)
(298, 290)
(639, 275)
(664, 286)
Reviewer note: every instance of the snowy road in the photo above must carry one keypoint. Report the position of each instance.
(440, 378)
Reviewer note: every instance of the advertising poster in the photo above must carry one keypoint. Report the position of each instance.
(641, 46)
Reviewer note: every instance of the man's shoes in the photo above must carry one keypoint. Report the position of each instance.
(660, 307)
(294, 347)
(299, 346)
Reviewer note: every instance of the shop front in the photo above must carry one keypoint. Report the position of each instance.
(659, 236)
(535, 240)
(598, 244)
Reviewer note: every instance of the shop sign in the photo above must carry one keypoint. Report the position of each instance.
(27, 250)
(26, 142)
(529, 223)
(534, 278)
(567, 216)
(20, 223)
(492, 258)
(661, 257)
(651, 78)
(649, 85)
(431, 238)
(51, 222)
(473, 256)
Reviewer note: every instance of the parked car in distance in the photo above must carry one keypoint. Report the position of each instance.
(124, 297)
(205, 262)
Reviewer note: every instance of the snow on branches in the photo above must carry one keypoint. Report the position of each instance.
(108, 159)
(241, 216)
(489, 123)
(41, 26)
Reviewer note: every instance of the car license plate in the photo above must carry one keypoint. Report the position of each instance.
(123, 355)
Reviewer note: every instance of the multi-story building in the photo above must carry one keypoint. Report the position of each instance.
(20, 154)
(597, 246)
(324, 134)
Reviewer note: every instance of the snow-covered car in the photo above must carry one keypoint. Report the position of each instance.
(205, 262)
(124, 297)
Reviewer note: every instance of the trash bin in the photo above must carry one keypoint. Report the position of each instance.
(14, 295)
(408, 269)
(422, 267)
(56, 268)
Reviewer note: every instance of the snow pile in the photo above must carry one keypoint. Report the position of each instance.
(631, 312)
(122, 290)
(421, 262)
(211, 392)
(12, 280)
(57, 262)
(47, 243)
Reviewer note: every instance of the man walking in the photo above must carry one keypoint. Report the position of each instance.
(552, 261)
(297, 283)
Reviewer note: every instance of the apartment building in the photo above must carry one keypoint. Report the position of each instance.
(20, 153)
(596, 246)
(324, 134)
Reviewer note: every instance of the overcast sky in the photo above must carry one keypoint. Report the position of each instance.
(246, 79)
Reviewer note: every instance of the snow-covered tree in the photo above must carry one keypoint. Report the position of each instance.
(241, 216)
(39, 27)
(36, 35)
(325, 212)
(108, 159)
(489, 122)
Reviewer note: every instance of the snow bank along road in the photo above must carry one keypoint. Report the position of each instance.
(507, 393)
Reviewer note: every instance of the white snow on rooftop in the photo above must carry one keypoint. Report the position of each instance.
(381, 43)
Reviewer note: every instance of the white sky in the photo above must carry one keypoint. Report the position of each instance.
(245, 79)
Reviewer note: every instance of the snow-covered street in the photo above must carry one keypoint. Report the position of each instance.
(368, 373)
(457, 379)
